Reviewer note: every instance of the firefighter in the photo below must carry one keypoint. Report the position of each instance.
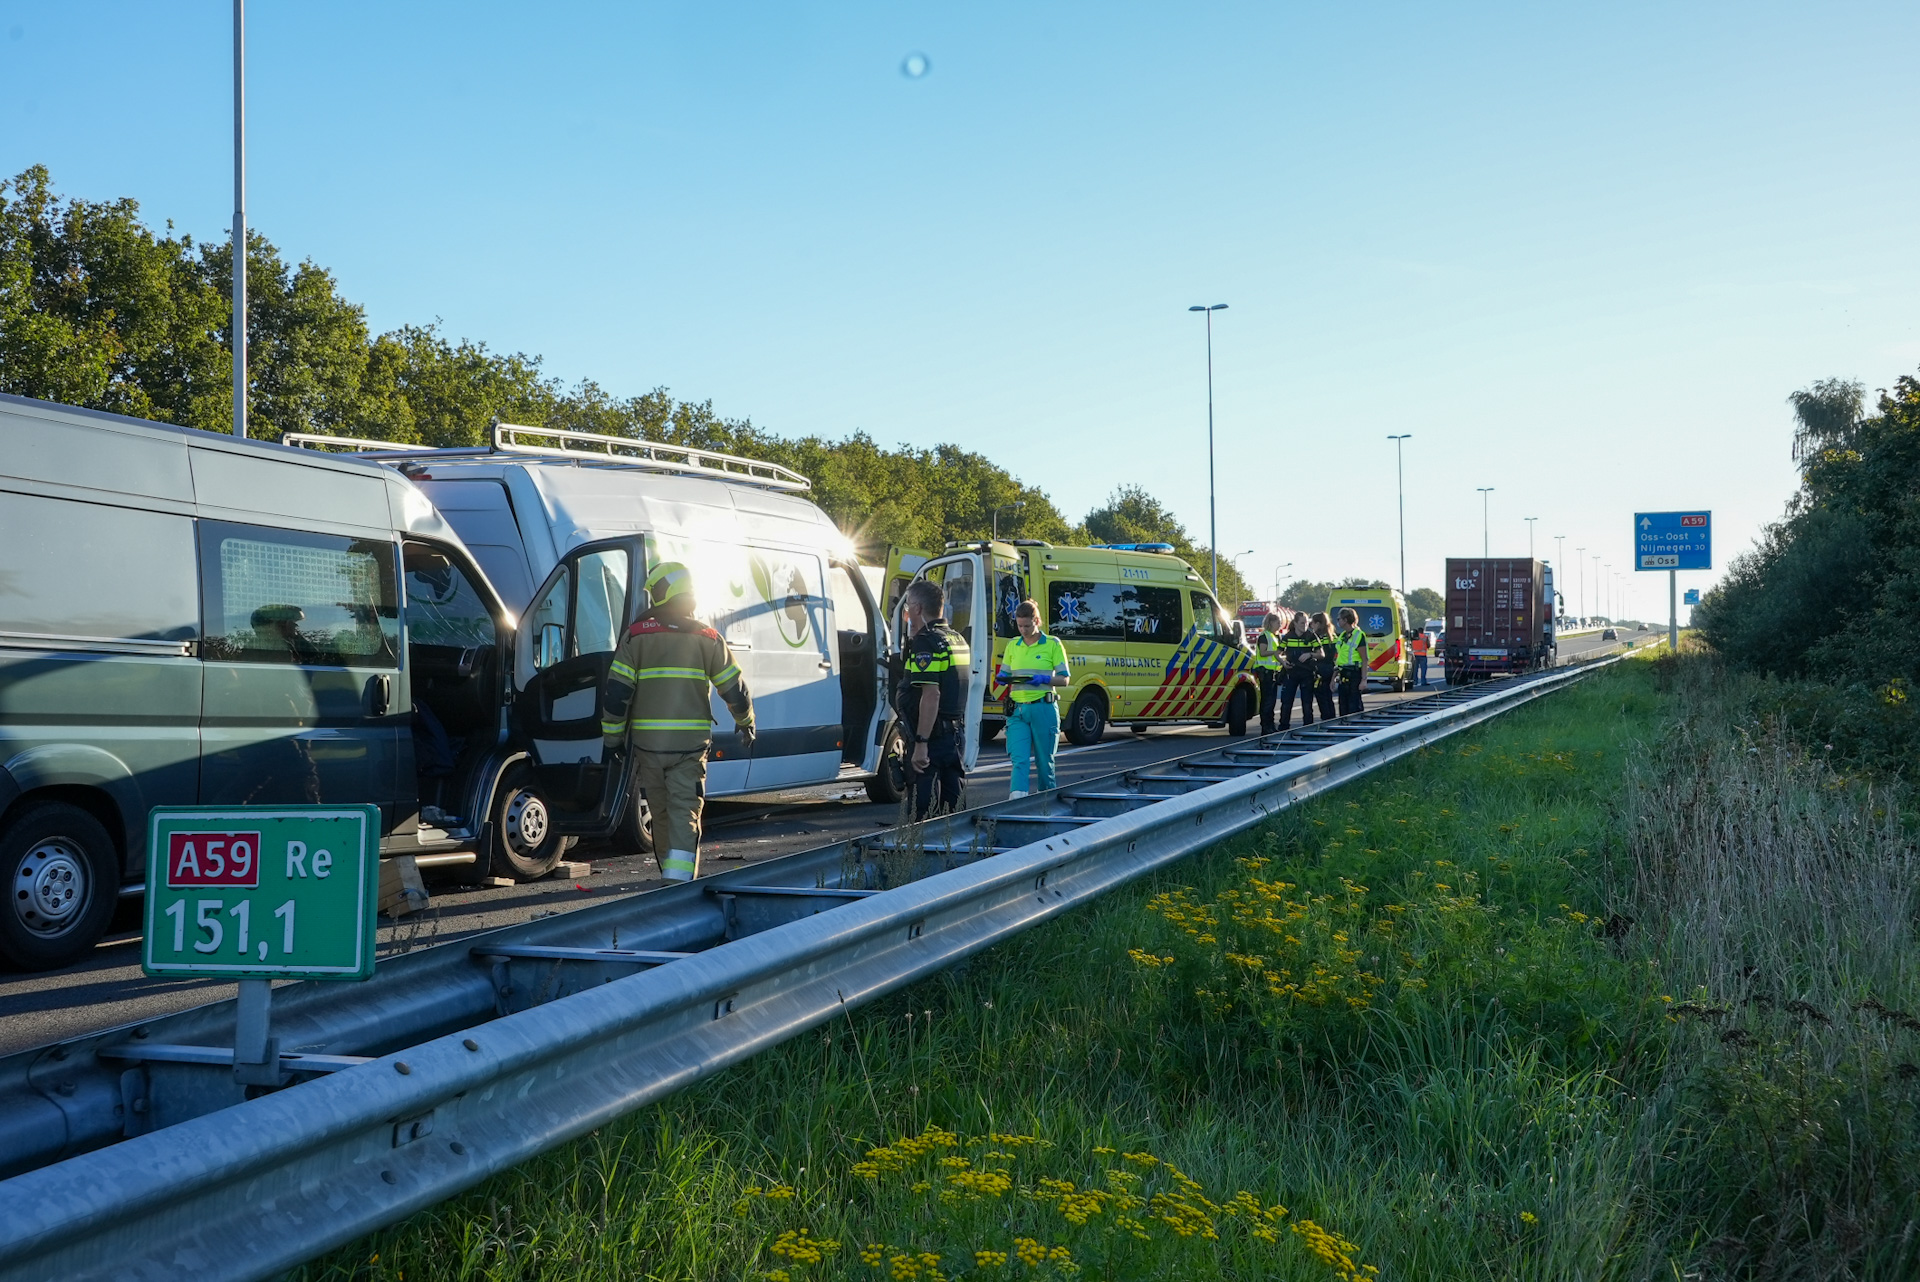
(931, 700)
(655, 705)
(1269, 659)
(1350, 656)
(1297, 648)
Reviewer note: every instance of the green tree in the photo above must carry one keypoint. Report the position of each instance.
(1424, 604)
(1131, 515)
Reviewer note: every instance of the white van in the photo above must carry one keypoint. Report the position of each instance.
(566, 524)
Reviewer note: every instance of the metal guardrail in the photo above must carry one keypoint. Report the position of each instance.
(578, 1038)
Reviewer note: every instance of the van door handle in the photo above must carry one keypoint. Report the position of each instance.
(826, 665)
(380, 694)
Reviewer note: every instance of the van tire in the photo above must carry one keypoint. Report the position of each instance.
(56, 856)
(1239, 707)
(1087, 719)
(889, 784)
(525, 845)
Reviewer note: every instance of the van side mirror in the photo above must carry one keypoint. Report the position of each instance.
(551, 647)
(1239, 630)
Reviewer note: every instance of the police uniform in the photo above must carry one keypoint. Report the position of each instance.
(655, 703)
(1297, 678)
(1269, 660)
(1033, 714)
(1323, 674)
(1350, 648)
(936, 656)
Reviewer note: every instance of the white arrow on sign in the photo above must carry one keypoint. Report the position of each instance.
(1646, 522)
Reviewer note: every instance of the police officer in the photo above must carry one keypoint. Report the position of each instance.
(931, 700)
(1350, 656)
(655, 704)
(1323, 662)
(1296, 673)
(1269, 659)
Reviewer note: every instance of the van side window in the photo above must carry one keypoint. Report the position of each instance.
(289, 596)
(1006, 599)
(1078, 610)
(443, 607)
(138, 583)
(1153, 616)
(550, 611)
(600, 610)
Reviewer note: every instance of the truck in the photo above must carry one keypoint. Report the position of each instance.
(1499, 617)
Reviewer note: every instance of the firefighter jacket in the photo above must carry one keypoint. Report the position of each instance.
(656, 691)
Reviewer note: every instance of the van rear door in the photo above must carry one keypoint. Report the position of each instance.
(963, 581)
(796, 692)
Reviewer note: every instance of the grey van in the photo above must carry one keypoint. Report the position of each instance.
(190, 619)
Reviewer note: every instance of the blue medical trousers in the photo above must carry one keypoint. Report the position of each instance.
(1033, 730)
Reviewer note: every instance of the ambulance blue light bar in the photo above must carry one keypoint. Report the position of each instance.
(1132, 547)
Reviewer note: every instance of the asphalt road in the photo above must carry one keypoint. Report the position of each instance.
(108, 988)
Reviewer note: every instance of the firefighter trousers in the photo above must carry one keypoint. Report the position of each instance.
(675, 785)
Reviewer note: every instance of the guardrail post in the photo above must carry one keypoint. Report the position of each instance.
(256, 1056)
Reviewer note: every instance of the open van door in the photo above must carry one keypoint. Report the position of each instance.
(561, 654)
(963, 579)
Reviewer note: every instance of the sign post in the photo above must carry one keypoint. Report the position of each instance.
(1673, 541)
(258, 893)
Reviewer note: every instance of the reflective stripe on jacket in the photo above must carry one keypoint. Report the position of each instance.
(656, 691)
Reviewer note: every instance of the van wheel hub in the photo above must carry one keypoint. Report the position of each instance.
(51, 888)
(527, 822)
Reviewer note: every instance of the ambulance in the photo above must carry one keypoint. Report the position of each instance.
(1383, 617)
(1146, 641)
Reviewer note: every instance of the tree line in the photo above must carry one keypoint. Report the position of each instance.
(1829, 597)
(99, 310)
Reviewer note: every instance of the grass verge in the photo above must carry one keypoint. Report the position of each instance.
(1615, 986)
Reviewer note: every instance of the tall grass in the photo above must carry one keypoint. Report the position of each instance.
(1615, 987)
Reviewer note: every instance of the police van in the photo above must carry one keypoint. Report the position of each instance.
(1147, 642)
(566, 525)
(1383, 617)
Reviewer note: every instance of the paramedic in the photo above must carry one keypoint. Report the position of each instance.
(1033, 666)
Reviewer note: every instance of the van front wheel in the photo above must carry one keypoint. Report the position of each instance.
(1239, 707)
(63, 880)
(1087, 719)
(525, 844)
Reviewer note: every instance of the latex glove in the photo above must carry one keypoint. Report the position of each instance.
(1040, 679)
(746, 734)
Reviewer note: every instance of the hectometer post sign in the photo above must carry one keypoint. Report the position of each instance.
(262, 892)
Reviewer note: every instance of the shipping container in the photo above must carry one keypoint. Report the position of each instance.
(1499, 616)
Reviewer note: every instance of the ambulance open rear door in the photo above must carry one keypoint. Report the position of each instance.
(963, 580)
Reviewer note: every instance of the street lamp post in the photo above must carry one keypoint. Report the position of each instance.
(1004, 507)
(1529, 520)
(1276, 579)
(240, 218)
(1213, 526)
(1596, 583)
(1580, 555)
(1231, 561)
(1400, 474)
(1559, 560)
(1484, 491)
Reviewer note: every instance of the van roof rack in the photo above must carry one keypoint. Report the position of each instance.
(588, 447)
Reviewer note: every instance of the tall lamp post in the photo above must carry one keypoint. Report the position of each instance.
(1213, 527)
(1596, 583)
(1484, 491)
(1559, 560)
(1529, 520)
(1004, 507)
(1400, 473)
(240, 218)
(1580, 555)
(1276, 580)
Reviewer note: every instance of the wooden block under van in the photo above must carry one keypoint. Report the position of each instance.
(401, 890)
(567, 871)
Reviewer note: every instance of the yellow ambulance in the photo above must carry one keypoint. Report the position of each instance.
(1383, 617)
(1147, 642)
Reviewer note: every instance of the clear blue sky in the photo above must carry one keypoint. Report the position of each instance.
(1582, 253)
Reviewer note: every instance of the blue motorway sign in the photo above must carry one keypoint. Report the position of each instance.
(1690, 597)
(1673, 540)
